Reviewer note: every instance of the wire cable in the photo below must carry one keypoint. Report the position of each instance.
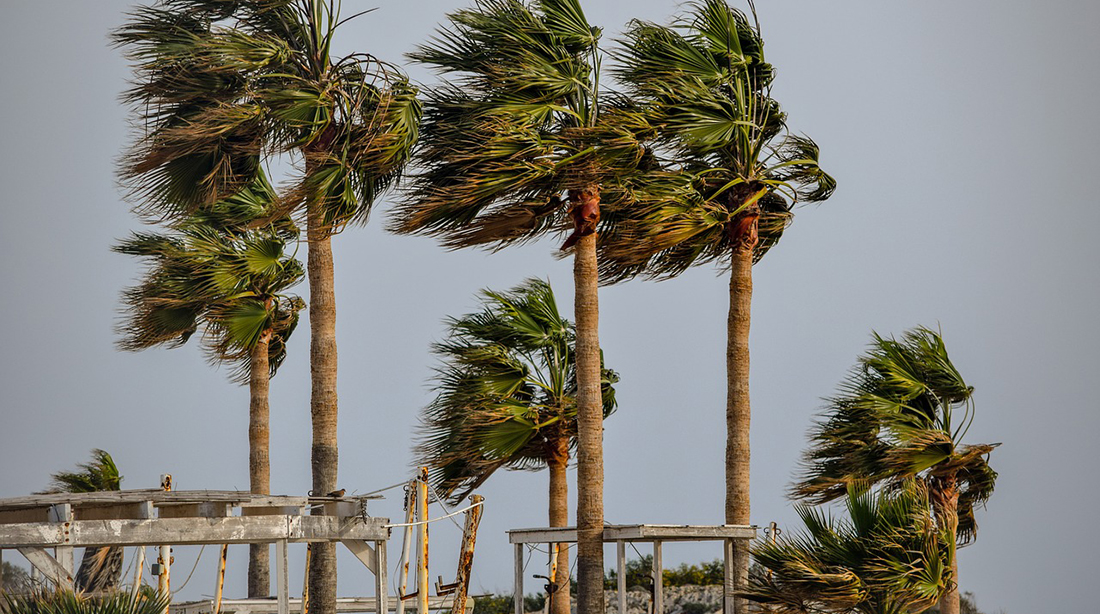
(193, 567)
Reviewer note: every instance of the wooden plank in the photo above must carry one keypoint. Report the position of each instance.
(42, 561)
(364, 552)
(274, 510)
(205, 509)
(63, 513)
(193, 531)
(282, 577)
(270, 606)
(637, 532)
(517, 592)
(114, 511)
(36, 514)
(727, 577)
(381, 582)
(620, 568)
(658, 580)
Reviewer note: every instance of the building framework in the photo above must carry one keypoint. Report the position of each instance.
(623, 534)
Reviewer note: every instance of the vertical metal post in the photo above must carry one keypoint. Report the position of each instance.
(381, 582)
(658, 580)
(282, 577)
(518, 582)
(727, 582)
(139, 571)
(466, 555)
(164, 556)
(620, 568)
(423, 587)
(552, 583)
(305, 581)
(406, 546)
(219, 581)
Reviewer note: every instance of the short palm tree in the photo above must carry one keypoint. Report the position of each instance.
(230, 283)
(725, 175)
(100, 568)
(72, 602)
(508, 398)
(887, 557)
(220, 85)
(516, 146)
(901, 415)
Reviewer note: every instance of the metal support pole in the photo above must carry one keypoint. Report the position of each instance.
(518, 588)
(164, 557)
(422, 584)
(727, 583)
(282, 577)
(139, 571)
(381, 582)
(406, 546)
(305, 581)
(620, 567)
(552, 579)
(466, 555)
(219, 582)
(658, 580)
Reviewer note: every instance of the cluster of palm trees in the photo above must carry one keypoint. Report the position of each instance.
(684, 160)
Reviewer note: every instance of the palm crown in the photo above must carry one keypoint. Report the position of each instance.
(231, 283)
(725, 157)
(507, 391)
(224, 83)
(519, 124)
(902, 414)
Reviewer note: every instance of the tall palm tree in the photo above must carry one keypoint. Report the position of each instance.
(220, 85)
(726, 175)
(887, 557)
(508, 398)
(100, 568)
(515, 146)
(230, 283)
(901, 415)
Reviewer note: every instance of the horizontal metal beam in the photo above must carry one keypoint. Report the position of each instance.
(636, 532)
(192, 531)
(269, 606)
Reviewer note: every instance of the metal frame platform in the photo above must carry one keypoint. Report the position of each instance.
(625, 533)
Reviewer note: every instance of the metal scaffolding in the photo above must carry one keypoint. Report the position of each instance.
(626, 533)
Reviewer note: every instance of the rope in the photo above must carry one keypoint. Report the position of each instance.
(430, 520)
(193, 567)
(375, 492)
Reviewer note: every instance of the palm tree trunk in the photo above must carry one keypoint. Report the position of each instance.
(738, 414)
(323, 408)
(259, 462)
(559, 517)
(946, 500)
(590, 596)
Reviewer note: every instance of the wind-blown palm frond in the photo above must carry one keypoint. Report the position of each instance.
(211, 272)
(518, 124)
(699, 94)
(100, 568)
(506, 391)
(901, 414)
(887, 557)
(220, 85)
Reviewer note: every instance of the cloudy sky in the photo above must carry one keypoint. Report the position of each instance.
(963, 139)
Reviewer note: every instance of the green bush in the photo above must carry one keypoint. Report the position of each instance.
(639, 572)
(503, 604)
(68, 602)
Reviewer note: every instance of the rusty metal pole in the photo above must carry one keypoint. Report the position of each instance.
(220, 580)
(466, 554)
(164, 557)
(138, 572)
(406, 546)
(305, 582)
(551, 580)
(422, 585)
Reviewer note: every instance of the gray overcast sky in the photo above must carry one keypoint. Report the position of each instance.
(962, 135)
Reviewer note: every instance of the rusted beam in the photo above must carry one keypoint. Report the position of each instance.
(422, 584)
(466, 552)
(220, 580)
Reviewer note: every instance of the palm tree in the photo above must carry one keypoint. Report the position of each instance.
(887, 557)
(508, 398)
(726, 174)
(897, 418)
(100, 568)
(220, 85)
(230, 283)
(516, 146)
